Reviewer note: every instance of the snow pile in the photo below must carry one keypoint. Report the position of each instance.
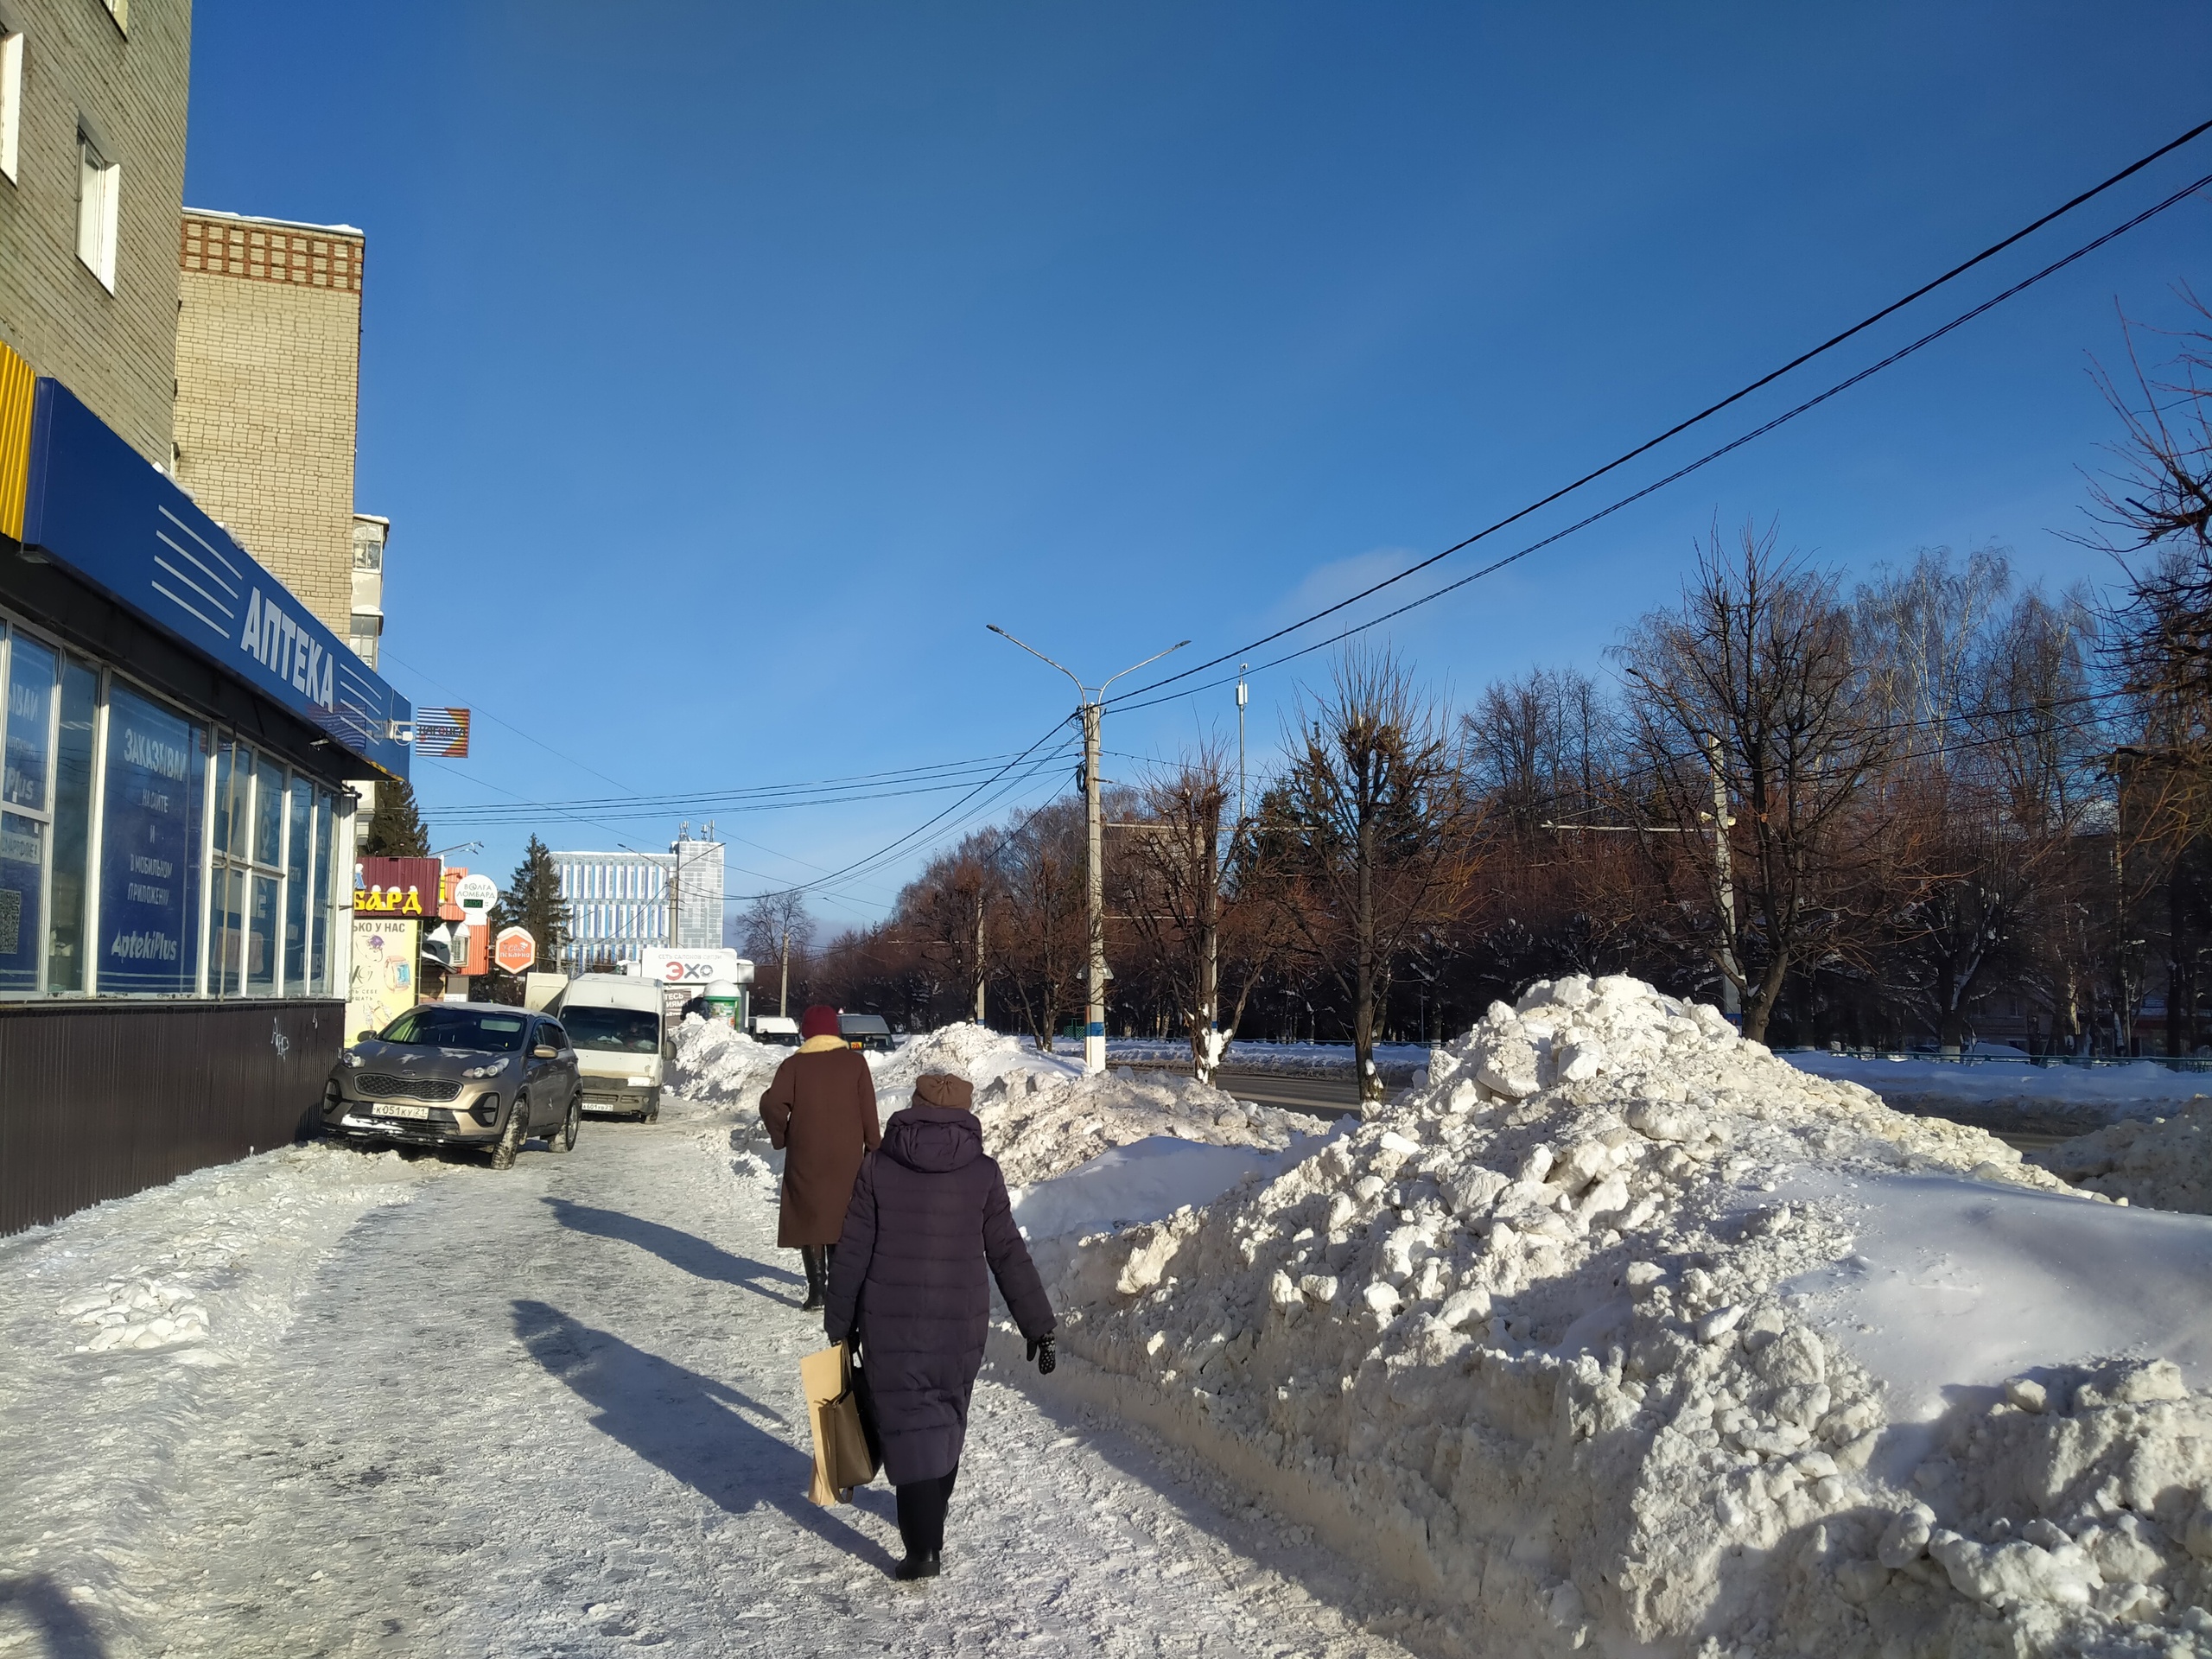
(212, 1259)
(1540, 1337)
(1040, 1126)
(2056, 1099)
(716, 1065)
(966, 1050)
(2163, 1162)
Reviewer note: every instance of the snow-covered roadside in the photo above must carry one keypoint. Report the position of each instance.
(2165, 1163)
(1397, 1062)
(127, 1327)
(2003, 1094)
(1596, 1338)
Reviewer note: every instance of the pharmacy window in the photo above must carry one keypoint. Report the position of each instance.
(46, 794)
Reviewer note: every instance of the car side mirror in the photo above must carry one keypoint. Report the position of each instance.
(365, 1036)
(544, 1052)
(668, 1050)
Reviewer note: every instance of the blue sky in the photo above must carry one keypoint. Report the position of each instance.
(726, 368)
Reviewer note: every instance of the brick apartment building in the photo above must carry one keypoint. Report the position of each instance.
(268, 391)
(92, 97)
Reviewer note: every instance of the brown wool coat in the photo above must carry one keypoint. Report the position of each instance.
(820, 1111)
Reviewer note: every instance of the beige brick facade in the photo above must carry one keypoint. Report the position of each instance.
(267, 382)
(82, 73)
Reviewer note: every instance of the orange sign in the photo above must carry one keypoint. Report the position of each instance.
(515, 950)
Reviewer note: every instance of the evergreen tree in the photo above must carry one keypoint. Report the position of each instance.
(396, 828)
(533, 900)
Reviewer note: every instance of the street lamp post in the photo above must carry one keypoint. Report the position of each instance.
(1091, 704)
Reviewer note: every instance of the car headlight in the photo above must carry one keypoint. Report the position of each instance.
(349, 1058)
(490, 1071)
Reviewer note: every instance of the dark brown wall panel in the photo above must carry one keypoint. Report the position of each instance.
(99, 1100)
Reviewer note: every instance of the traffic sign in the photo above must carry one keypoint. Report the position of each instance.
(476, 894)
(515, 950)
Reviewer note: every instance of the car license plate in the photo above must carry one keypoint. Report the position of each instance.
(388, 1109)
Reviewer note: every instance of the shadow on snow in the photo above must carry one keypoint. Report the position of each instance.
(679, 1250)
(700, 1430)
(63, 1630)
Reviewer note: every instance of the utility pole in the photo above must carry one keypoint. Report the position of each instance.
(783, 985)
(979, 954)
(1731, 1002)
(1092, 707)
(1243, 696)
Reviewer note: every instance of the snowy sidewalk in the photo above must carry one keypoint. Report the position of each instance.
(554, 1412)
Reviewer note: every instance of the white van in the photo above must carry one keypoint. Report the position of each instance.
(616, 1024)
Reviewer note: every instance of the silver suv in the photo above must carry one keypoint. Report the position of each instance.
(475, 1075)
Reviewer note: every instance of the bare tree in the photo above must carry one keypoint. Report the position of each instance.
(1759, 747)
(1370, 830)
(775, 923)
(1994, 773)
(2154, 515)
(1046, 948)
(1179, 885)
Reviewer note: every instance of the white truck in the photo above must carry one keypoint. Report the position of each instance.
(616, 1024)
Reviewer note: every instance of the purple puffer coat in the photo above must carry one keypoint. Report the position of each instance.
(929, 1214)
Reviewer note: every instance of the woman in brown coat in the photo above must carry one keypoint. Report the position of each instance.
(820, 1111)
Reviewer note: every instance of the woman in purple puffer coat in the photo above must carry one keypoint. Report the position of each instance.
(929, 1216)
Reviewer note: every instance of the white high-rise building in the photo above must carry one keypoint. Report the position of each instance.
(619, 902)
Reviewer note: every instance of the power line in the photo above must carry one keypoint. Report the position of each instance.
(1711, 410)
(894, 846)
(1706, 460)
(712, 797)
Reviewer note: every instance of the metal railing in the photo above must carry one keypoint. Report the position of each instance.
(2170, 1062)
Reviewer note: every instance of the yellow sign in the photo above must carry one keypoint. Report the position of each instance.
(387, 901)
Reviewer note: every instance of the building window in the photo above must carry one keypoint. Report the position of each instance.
(11, 99)
(99, 197)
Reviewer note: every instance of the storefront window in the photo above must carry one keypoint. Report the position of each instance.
(267, 811)
(261, 937)
(73, 826)
(325, 899)
(220, 804)
(149, 941)
(299, 832)
(25, 794)
(229, 937)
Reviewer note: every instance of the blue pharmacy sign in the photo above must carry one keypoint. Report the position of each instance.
(93, 505)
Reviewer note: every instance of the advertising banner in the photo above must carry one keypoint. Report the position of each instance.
(696, 969)
(149, 849)
(383, 986)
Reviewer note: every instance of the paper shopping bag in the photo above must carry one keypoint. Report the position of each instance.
(842, 1456)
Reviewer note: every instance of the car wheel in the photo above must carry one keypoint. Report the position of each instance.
(516, 1132)
(564, 1138)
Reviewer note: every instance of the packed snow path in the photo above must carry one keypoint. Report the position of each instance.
(554, 1411)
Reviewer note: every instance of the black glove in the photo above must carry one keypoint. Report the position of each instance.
(1041, 1351)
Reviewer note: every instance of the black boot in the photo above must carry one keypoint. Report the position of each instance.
(923, 1564)
(811, 1254)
